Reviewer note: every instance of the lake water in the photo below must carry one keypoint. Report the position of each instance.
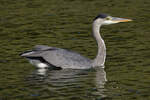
(67, 24)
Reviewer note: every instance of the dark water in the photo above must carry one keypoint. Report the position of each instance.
(67, 24)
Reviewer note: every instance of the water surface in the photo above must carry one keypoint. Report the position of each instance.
(67, 24)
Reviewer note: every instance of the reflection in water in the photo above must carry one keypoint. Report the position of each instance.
(69, 83)
(100, 81)
(41, 71)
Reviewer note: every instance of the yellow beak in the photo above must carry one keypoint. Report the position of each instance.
(116, 19)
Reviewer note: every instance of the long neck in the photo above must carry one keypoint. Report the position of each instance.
(101, 55)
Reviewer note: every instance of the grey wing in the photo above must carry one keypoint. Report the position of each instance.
(42, 47)
(60, 57)
(38, 51)
(67, 59)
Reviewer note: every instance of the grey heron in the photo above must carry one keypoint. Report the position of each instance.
(45, 56)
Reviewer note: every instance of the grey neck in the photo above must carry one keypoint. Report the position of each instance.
(101, 55)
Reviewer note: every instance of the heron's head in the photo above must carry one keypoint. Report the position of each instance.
(104, 19)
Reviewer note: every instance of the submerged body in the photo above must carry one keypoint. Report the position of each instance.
(45, 56)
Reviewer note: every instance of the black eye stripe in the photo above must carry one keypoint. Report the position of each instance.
(101, 16)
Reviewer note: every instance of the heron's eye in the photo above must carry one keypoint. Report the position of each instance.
(108, 18)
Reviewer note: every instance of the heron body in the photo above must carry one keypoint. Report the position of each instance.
(51, 56)
(45, 56)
